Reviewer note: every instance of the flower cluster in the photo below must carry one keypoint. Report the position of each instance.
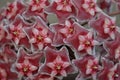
(84, 42)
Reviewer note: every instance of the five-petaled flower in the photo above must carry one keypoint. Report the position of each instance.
(26, 68)
(16, 33)
(59, 64)
(88, 65)
(106, 26)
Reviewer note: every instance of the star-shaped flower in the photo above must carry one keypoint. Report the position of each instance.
(104, 26)
(27, 64)
(86, 9)
(59, 64)
(64, 8)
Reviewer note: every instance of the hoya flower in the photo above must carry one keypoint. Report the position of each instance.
(113, 47)
(105, 4)
(105, 26)
(88, 66)
(16, 33)
(64, 8)
(7, 55)
(44, 76)
(27, 64)
(64, 31)
(59, 64)
(87, 42)
(6, 72)
(3, 34)
(13, 9)
(36, 8)
(83, 42)
(40, 35)
(110, 71)
(26, 68)
(86, 9)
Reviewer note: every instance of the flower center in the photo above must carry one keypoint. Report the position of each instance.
(95, 67)
(112, 27)
(25, 69)
(37, 1)
(87, 43)
(58, 67)
(116, 75)
(16, 33)
(71, 30)
(8, 9)
(92, 5)
(64, 2)
(40, 38)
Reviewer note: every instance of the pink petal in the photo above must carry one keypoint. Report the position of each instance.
(63, 73)
(64, 30)
(40, 46)
(33, 68)
(85, 6)
(89, 50)
(89, 35)
(12, 27)
(68, 8)
(81, 47)
(107, 21)
(51, 65)
(18, 65)
(16, 41)
(44, 31)
(92, 12)
(53, 73)
(57, 0)
(94, 42)
(47, 40)
(35, 31)
(33, 40)
(34, 8)
(112, 35)
(59, 7)
(67, 23)
(26, 62)
(106, 30)
(81, 38)
(58, 59)
(88, 71)
(66, 64)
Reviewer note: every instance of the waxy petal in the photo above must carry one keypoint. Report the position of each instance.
(81, 47)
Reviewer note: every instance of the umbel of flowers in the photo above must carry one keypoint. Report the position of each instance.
(84, 43)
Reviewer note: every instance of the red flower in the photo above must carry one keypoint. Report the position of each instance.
(27, 64)
(36, 8)
(59, 64)
(7, 54)
(13, 9)
(105, 26)
(43, 76)
(63, 8)
(64, 31)
(113, 47)
(110, 71)
(88, 66)
(40, 35)
(3, 34)
(16, 33)
(86, 9)
(6, 72)
(105, 4)
(83, 41)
